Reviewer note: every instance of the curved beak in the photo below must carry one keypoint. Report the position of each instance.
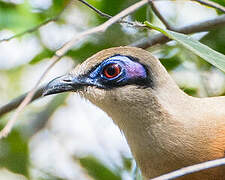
(63, 84)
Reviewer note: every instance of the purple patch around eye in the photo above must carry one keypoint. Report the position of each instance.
(133, 69)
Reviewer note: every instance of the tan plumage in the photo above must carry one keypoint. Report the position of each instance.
(165, 128)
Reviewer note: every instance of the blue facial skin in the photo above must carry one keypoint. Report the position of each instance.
(113, 72)
(131, 72)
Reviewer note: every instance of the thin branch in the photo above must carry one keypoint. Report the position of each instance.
(37, 92)
(160, 16)
(31, 29)
(144, 43)
(192, 169)
(189, 29)
(35, 28)
(61, 52)
(6, 130)
(16, 102)
(102, 27)
(134, 24)
(95, 9)
(211, 4)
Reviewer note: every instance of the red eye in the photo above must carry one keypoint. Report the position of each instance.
(111, 71)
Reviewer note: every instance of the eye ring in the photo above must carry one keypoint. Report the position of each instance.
(111, 70)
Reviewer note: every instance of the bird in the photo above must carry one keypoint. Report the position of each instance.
(166, 129)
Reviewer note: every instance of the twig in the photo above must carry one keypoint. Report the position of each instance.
(160, 16)
(192, 169)
(107, 15)
(36, 93)
(211, 4)
(30, 30)
(96, 10)
(102, 27)
(16, 102)
(61, 52)
(35, 28)
(5, 131)
(193, 28)
(144, 43)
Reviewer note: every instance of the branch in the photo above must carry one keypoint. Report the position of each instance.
(135, 24)
(144, 43)
(159, 38)
(101, 28)
(211, 4)
(16, 102)
(61, 52)
(35, 28)
(6, 130)
(189, 29)
(192, 169)
(95, 9)
(31, 29)
(160, 16)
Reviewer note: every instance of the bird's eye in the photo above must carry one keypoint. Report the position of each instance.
(111, 70)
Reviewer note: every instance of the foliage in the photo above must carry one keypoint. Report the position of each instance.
(215, 58)
(20, 17)
(15, 153)
(98, 170)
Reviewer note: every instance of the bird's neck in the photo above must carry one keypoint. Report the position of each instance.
(149, 108)
(149, 125)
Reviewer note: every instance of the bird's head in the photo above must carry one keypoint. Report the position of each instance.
(114, 78)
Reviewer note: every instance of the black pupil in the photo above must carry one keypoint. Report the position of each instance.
(111, 70)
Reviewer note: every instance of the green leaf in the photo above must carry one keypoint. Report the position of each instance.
(98, 170)
(17, 17)
(215, 39)
(57, 7)
(141, 14)
(14, 153)
(46, 53)
(221, 2)
(127, 163)
(170, 63)
(213, 57)
(112, 7)
(190, 90)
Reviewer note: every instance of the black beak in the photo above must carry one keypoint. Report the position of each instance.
(63, 84)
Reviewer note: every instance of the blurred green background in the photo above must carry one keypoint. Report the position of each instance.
(64, 136)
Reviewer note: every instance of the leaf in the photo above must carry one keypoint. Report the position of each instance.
(141, 14)
(57, 6)
(17, 17)
(170, 63)
(46, 53)
(213, 57)
(221, 2)
(15, 153)
(215, 39)
(190, 90)
(127, 163)
(112, 7)
(97, 169)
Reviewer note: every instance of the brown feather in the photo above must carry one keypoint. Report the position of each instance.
(165, 128)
